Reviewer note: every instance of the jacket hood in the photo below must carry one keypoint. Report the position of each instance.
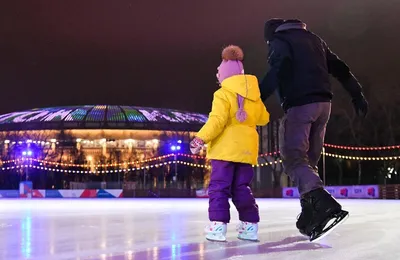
(270, 28)
(244, 85)
(291, 24)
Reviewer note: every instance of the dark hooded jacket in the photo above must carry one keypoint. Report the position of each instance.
(300, 65)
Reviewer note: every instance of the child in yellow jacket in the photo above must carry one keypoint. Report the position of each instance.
(232, 146)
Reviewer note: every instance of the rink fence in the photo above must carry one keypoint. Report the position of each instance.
(26, 191)
(340, 192)
(62, 194)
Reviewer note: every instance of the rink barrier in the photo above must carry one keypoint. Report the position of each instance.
(391, 191)
(342, 192)
(9, 193)
(362, 192)
(257, 193)
(25, 192)
(25, 189)
(159, 193)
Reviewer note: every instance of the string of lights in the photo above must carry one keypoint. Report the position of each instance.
(102, 171)
(79, 140)
(358, 158)
(41, 167)
(194, 164)
(157, 158)
(353, 148)
(88, 165)
(191, 156)
(103, 165)
(45, 168)
(359, 148)
(203, 157)
(327, 154)
(57, 164)
(85, 171)
(271, 154)
(267, 163)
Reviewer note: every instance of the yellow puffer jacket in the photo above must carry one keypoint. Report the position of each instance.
(228, 139)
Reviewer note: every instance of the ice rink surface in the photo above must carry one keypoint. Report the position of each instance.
(143, 229)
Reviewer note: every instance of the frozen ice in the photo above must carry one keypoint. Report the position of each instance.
(142, 229)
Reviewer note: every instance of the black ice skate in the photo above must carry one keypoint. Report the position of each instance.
(321, 213)
(328, 225)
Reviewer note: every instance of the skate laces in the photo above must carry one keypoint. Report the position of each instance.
(240, 227)
(245, 227)
(214, 226)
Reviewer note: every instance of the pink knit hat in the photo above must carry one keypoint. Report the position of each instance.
(231, 65)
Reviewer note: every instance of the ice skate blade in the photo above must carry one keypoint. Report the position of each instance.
(248, 239)
(215, 237)
(214, 240)
(339, 219)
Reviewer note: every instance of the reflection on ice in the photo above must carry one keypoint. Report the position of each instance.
(26, 226)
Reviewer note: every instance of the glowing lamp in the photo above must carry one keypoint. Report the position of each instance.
(27, 153)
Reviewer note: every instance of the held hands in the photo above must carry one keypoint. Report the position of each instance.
(360, 105)
(195, 145)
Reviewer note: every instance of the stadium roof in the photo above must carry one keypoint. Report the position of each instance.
(102, 117)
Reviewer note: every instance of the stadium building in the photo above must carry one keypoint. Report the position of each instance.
(96, 130)
(95, 138)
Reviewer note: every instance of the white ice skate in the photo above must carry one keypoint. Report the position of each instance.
(203, 193)
(216, 231)
(247, 231)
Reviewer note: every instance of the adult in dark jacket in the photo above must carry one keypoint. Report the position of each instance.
(300, 65)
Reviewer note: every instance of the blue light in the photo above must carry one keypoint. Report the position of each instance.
(27, 153)
(178, 148)
(173, 148)
(179, 141)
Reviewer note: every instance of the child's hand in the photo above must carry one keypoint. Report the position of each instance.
(195, 145)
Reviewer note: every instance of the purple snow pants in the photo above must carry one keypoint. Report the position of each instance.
(301, 134)
(231, 179)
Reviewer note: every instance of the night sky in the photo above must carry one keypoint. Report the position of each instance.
(165, 53)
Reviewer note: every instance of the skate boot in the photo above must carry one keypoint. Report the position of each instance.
(319, 208)
(203, 193)
(247, 231)
(216, 231)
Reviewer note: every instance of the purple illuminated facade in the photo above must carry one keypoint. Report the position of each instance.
(102, 116)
